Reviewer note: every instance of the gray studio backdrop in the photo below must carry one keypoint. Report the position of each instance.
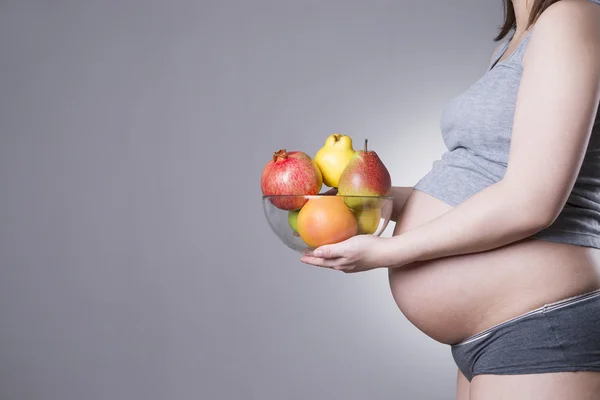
(135, 261)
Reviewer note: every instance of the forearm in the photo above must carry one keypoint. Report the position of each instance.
(489, 219)
(400, 195)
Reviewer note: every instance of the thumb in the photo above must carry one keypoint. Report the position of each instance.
(326, 251)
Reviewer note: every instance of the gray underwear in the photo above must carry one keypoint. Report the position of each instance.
(558, 337)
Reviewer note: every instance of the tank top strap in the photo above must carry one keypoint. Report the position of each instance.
(517, 55)
(515, 58)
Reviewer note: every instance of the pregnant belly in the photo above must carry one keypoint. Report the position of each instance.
(452, 298)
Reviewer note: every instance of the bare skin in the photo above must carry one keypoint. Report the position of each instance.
(582, 385)
(462, 387)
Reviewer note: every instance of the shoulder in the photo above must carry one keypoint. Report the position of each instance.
(567, 28)
(569, 8)
(570, 19)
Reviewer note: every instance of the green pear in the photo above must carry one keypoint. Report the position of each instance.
(293, 219)
(368, 220)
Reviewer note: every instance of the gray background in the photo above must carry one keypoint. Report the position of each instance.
(135, 261)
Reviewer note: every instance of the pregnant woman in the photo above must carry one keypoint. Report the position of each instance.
(496, 250)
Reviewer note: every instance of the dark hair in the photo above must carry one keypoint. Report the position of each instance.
(510, 20)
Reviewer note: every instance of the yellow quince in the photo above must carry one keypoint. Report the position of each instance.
(333, 157)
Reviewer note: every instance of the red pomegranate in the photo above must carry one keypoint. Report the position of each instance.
(290, 173)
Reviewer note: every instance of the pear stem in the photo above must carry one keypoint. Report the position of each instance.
(366, 140)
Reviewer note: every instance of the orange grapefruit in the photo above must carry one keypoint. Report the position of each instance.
(326, 220)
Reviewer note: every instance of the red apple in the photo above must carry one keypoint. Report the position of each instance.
(290, 173)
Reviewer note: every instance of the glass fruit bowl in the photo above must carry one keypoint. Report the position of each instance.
(305, 222)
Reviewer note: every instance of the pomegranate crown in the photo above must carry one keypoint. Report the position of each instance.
(280, 155)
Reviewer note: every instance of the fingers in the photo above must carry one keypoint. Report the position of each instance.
(338, 264)
(335, 263)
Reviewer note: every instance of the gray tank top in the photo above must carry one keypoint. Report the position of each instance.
(476, 129)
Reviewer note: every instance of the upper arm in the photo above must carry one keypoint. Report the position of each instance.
(556, 106)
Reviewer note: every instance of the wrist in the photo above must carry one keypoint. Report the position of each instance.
(397, 252)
